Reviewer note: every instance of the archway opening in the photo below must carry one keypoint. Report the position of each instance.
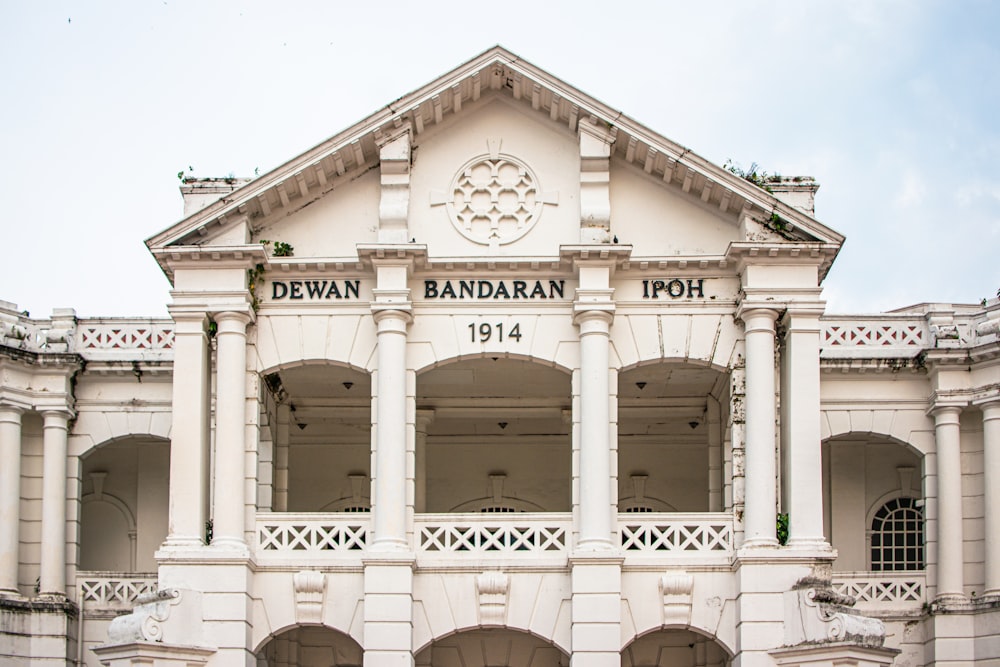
(671, 438)
(310, 646)
(496, 647)
(123, 505)
(315, 441)
(666, 648)
(876, 523)
(494, 435)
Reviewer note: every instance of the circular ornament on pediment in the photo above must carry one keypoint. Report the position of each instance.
(494, 199)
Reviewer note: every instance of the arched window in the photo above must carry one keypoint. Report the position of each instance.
(897, 537)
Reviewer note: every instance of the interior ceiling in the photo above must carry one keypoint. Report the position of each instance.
(497, 397)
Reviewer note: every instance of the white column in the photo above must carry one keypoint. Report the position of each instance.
(801, 417)
(52, 579)
(188, 497)
(230, 428)
(10, 496)
(991, 493)
(949, 468)
(389, 501)
(761, 497)
(281, 459)
(424, 419)
(595, 445)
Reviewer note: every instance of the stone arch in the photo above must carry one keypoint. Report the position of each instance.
(664, 646)
(910, 428)
(95, 429)
(486, 354)
(314, 646)
(703, 337)
(476, 634)
(284, 340)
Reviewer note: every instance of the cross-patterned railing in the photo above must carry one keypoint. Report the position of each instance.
(880, 335)
(113, 591)
(125, 337)
(316, 533)
(486, 534)
(682, 534)
(883, 591)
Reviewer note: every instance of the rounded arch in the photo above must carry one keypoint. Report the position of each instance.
(328, 646)
(436, 363)
(874, 436)
(292, 364)
(674, 361)
(660, 641)
(909, 428)
(102, 430)
(473, 630)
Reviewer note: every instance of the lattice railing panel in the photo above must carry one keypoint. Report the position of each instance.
(124, 335)
(113, 592)
(487, 535)
(681, 534)
(873, 335)
(312, 535)
(883, 589)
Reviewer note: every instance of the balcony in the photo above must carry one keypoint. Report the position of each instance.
(461, 539)
(884, 593)
(108, 594)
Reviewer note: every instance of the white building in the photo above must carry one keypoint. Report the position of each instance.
(500, 377)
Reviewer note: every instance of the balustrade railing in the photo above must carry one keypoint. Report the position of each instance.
(878, 335)
(313, 533)
(113, 591)
(119, 337)
(676, 534)
(525, 534)
(883, 591)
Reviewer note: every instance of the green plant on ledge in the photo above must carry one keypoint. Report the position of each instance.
(754, 174)
(781, 528)
(281, 249)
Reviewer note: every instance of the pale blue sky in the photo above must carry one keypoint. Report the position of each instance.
(892, 106)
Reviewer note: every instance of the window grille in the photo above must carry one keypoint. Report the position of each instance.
(897, 537)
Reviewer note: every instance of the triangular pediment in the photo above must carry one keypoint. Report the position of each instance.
(650, 162)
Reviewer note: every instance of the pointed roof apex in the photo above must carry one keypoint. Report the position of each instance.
(305, 178)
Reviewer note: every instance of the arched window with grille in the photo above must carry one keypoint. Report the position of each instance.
(897, 536)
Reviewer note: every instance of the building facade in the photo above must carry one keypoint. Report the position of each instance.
(500, 377)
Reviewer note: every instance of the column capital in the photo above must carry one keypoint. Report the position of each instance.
(391, 318)
(990, 406)
(757, 317)
(945, 412)
(49, 414)
(593, 318)
(231, 321)
(10, 413)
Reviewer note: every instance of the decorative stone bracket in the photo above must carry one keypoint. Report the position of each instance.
(820, 615)
(310, 590)
(492, 589)
(676, 590)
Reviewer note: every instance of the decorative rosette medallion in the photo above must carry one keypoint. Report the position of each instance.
(494, 199)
